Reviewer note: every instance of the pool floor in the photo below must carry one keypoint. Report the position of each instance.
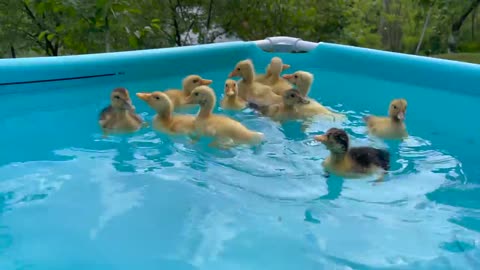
(70, 199)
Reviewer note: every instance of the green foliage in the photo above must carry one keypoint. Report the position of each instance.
(60, 27)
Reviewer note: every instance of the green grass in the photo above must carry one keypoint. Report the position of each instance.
(463, 57)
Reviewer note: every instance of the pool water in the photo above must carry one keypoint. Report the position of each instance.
(70, 199)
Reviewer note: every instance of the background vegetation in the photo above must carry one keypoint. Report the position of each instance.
(61, 27)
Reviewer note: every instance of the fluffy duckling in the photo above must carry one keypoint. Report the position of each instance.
(231, 100)
(120, 115)
(303, 81)
(352, 162)
(165, 121)
(272, 77)
(392, 127)
(250, 90)
(225, 131)
(289, 109)
(189, 83)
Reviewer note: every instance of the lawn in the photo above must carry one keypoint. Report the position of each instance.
(464, 57)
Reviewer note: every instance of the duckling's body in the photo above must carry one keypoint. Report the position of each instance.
(272, 77)
(231, 100)
(165, 121)
(392, 127)
(225, 131)
(303, 81)
(352, 162)
(178, 97)
(120, 115)
(250, 90)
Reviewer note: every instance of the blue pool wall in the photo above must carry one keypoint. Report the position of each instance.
(454, 119)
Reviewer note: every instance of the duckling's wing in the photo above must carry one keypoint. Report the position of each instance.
(104, 113)
(368, 156)
(136, 116)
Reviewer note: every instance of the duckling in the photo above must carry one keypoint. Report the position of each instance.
(178, 96)
(225, 131)
(303, 80)
(272, 78)
(120, 116)
(231, 100)
(250, 90)
(265, 78)
(392, 127)
(165, 121)
(289, 109)
(352, 162)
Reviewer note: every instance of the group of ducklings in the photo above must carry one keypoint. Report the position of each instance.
(279, 97)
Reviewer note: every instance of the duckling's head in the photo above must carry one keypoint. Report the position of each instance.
(202, 95)
(230, 88)
(192, 81)
(301, 79)
(398, 109)
(276, 66)
(293, 96)
(120, 99)
(242, 68)
(335, 139)
(157, 100)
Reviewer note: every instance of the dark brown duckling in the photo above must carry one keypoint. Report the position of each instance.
(352, 162)
(120, 115)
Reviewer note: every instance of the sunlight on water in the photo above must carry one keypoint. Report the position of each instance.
(71, 199)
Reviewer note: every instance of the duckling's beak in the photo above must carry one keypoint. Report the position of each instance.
(285, 67)
(127, 104)
(287, 76)
(321, 138)
(144, 96)
(233, 74)
(205, 82)
(401, 116)
(304, 100)
(229, 91)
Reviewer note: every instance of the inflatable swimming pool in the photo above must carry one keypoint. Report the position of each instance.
(71, 199)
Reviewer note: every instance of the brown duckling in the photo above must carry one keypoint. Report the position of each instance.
(225, 131)
(231, 100)
(250, 90)
(392, 127)
(120, 115)
(165, 120)
(189, 83)
(352, 162)
(273, 78)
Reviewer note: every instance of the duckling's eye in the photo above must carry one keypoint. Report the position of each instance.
(117, 97)
(395, 107)
(157, 98)
(292, 95)
(195, 81)
(196, 94)
(296, 76)
(226, 85)
(238, 69)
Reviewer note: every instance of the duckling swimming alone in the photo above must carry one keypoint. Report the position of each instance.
(120, 116)
(392, 127)
(225, 131)
(352, 162)
(165, 121)
(178, 97)
(231, 100)
(250, 90)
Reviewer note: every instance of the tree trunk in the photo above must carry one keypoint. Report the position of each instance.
(209, 18)
(457, 25)
(12, 50)
(391, 31)
(425, 26)
(107, 34)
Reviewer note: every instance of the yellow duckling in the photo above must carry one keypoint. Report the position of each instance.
(289, 109)
(250, 90)
(303, 81)
(392, 127)
(120, 116)
(178, 97)
(352, 162)
(231, 100)
(272, 77)
(165, 121)
(225, 131)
